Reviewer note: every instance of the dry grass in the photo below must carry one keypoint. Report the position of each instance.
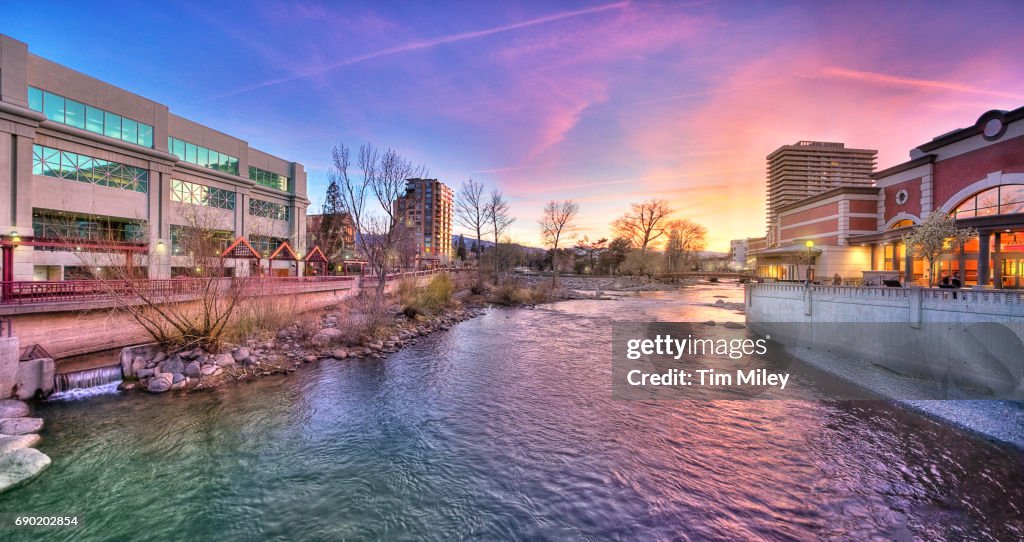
(512, 292)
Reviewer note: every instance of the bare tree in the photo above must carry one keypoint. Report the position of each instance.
(194, 312)
(685, 238)
(497, 213)
(381, 177)
(644, 223)
(558, 221)
(471, 212)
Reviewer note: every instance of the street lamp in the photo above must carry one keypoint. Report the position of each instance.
(809, 244)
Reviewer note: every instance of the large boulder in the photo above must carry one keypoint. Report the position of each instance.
(137, 365)
(21, 426)
(240, 354)
(158, 385)
(12, 408)
(193, 369)
(173, 365)
(9, 443)
(20, 466)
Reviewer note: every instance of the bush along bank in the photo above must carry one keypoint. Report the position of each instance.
(341, 332)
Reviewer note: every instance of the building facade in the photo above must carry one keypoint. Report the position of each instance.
(738, 253)
(974, 173)
(808, 168)
(86, 164)
(426, 211)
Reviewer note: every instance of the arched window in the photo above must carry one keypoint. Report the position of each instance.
(1005, 199)
(905, 223)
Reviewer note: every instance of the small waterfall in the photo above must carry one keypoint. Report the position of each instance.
(100, 377)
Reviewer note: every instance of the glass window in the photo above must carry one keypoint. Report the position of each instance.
(35, 99)
(190, 153)
(179, 149)
(111, 125)
(53, 107)
(75, 114)
(203, 157)
(86, 169)
(145, 135)
(93, 119)
(129, 130)
(1011, 193)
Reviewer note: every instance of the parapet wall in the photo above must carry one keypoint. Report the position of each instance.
(972, 338)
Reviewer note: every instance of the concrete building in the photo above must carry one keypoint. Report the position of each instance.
(738, 253)
(808, 168)
(974, 173)
(426, 210)
(88, 164)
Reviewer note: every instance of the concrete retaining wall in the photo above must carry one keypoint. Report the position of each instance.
(971, 338)
(69, 332)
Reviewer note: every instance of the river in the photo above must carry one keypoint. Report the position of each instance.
(505, 427)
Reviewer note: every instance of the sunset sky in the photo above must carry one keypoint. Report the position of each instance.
(605, 103)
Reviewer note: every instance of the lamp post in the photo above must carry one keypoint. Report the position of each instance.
(809, 244)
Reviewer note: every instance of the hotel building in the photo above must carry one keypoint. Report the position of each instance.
(807, 168)
(974, 173)
(426, 210)
(86, 164)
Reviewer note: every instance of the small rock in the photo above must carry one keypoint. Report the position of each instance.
(320, 339)
(339, 353)
(710, 323)
(139, 363)
(223, 360)
(126, 386)
(211, 370)
(181, 384)
(21, 426)
(283, 334)
(193, 369)
(248, 362)
(9, 443)
(160, 356)
(13, 408)
(177, 377)
(158, 385)
(190, 355)
(240, 354)
(331, 332)
(20, 466)
(145, 373)
(309, 358)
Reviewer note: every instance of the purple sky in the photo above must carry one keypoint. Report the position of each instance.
(606, 103)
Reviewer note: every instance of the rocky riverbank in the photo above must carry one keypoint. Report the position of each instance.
(150, 369)
(19, 460)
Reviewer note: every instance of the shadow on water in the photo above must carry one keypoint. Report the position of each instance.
(505, 427)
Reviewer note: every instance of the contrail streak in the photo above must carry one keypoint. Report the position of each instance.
(423, 44)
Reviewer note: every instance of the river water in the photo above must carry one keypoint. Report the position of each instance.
(505, 427)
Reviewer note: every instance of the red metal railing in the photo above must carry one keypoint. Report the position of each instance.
(37, 292)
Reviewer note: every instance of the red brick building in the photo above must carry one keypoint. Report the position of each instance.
(975, 173)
